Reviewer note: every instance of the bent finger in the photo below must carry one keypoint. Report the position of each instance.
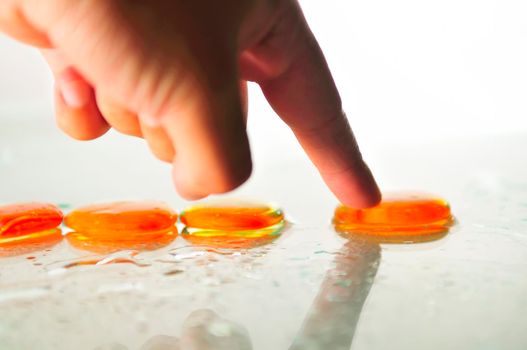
(158, 142)
(296, 80)
(76, 110)
(209, 135)
(119, 117)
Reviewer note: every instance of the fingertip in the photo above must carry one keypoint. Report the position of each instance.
(197, 184)
(80, 123)
(75, 91)
(118, 116)
(159, 143)
(185, 186)
(355, 188)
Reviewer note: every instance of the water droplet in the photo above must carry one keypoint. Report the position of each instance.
(173, 272)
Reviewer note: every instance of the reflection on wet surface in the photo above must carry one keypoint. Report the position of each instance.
(333, 317)
(109, 242)
(33, 242)
(330, 322)
(230, 239)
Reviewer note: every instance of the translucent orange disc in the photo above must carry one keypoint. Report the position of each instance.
(122, 225)
(121, 216)
(400, 216)
(27, 218)
(232, 226)
(17, 245)
(231, 217)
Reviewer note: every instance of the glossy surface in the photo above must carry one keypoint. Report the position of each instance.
(231, 217)
(112, 241)
(110, 227)
(399, 216)
(26, 218)
(310, 287)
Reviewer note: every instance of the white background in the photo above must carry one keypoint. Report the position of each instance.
(406, 69)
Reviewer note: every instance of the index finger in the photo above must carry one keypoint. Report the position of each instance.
(303, 93)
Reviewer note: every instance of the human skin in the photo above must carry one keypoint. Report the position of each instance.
(174, 73)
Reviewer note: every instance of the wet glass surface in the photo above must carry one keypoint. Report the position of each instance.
(308, 289)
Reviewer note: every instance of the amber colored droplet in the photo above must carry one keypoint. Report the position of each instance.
(232, 226)
(26, 218)
(32, 242)
(231, 218)
(121, 216)
(400, 217)
(105, 228)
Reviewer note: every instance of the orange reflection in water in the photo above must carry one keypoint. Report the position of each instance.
(105, 228)
(233, 227)
(399, 218)
(26, 218)
(233, 239)
(32, 242)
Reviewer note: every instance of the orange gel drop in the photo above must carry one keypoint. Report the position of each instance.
(27, 218)
(115, 226)
(231, 218)
(28, 227)
(399, 217)
(235, 227)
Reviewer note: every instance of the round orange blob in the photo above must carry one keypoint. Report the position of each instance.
(232, 226)
(121, 216)
(122, 225)
(231, 218)
(26, 218)
(399, 216)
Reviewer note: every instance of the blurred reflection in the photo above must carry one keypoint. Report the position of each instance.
(202, 330)
(29, 243)
(387, 239)
(109, 244)
(234, 239)
(333, 317)
(330, 323)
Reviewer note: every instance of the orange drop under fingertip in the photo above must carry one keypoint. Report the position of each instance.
(404, 216)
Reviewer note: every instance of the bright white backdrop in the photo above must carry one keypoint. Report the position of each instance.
(406, 69)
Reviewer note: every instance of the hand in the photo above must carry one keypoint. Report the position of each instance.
(170, 71)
